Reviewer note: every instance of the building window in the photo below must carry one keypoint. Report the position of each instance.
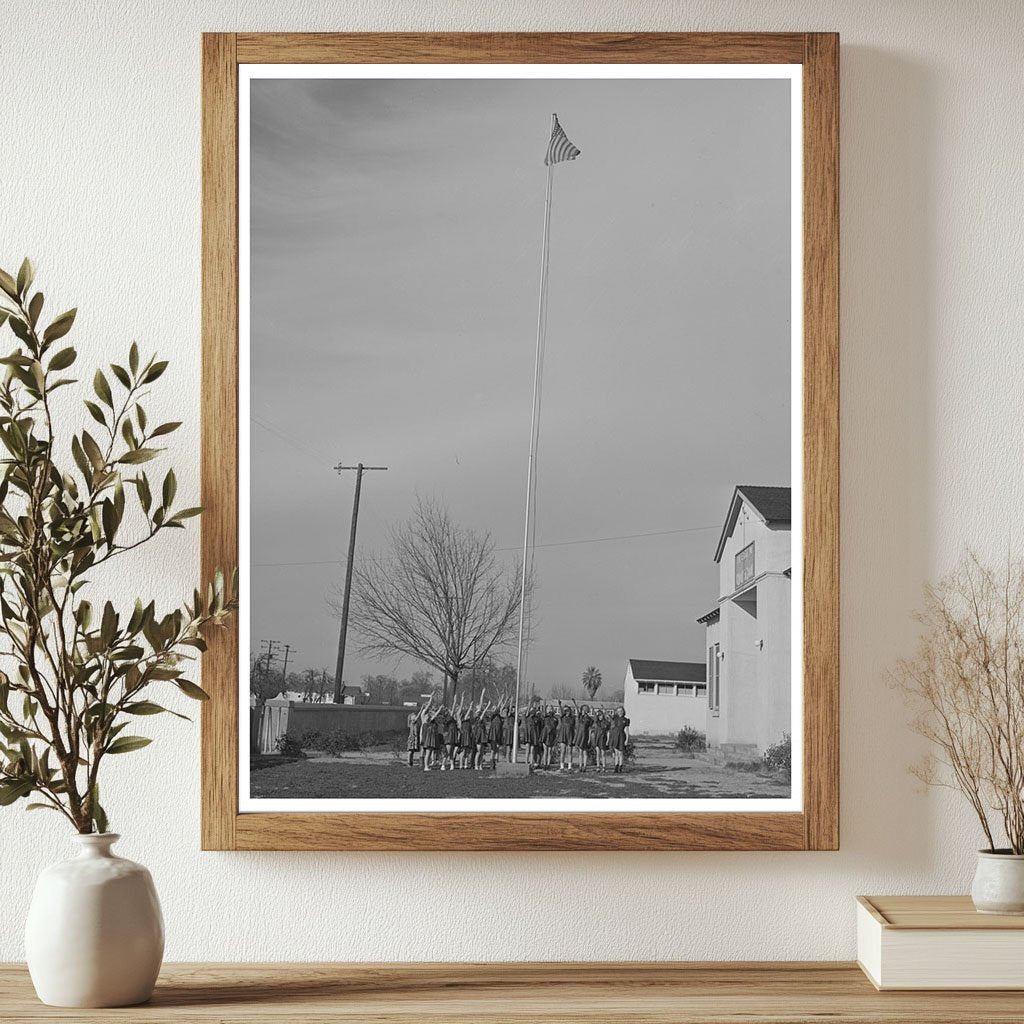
(645, 687)
(714, 679)
(745, 565)
(666, 689)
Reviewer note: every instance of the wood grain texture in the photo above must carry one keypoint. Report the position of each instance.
(817, 828)
(942, 913)
(615, 993)
(520, 832)
(521, 48)
(219, 437)
(821, 440)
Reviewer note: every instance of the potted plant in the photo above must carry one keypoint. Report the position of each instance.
(82, 671)
(966, 682)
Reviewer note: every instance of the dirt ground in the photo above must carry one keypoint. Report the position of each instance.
(659, 772)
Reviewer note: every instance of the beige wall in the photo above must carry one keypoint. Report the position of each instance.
(102, 187)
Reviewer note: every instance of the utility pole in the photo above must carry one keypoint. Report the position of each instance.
(343, 634)
(269, 653)
(284, 671)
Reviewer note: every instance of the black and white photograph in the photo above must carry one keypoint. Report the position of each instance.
(520, 450)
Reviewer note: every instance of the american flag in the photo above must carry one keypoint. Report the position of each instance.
(559, 148)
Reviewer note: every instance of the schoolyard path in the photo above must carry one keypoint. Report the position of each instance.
(660, 772)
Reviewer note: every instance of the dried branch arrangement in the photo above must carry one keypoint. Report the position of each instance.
(966, 682)
(79, 672)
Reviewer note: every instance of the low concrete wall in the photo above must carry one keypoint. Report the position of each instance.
(296, 719)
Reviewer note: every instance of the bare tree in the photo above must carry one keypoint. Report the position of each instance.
(592, 680)
(966, 682)
(439, 596)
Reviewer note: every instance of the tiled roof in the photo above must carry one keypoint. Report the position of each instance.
(772, 504)
(712, 616)
(668, 671)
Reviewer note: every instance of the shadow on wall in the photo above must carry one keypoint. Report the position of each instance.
(887, 281)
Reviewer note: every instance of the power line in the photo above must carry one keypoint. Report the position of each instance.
(320, 460)
(552, 544)
(621, 536)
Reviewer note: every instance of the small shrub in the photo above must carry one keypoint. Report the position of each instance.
(289, 746)
(629, 753)
(690, 740)
(778, 757)
(311, 741)
(338, 742)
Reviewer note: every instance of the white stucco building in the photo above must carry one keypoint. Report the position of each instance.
(664, 696)
(749, 657)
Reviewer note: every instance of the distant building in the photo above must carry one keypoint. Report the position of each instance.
(749, 666)
(665, 696)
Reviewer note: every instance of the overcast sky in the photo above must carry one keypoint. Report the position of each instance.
(396, 230)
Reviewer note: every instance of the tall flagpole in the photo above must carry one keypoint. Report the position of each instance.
(542, 308)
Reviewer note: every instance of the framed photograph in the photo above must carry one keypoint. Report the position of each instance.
(520, 420)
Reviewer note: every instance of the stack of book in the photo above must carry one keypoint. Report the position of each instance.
(938, 942)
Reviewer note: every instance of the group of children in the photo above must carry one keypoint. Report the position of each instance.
(464, 736)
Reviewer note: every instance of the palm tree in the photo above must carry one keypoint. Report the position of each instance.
(592, 680)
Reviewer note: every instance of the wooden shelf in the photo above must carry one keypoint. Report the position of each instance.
(659, 993)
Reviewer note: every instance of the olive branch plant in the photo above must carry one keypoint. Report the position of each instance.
(80, 674)
(965, 682)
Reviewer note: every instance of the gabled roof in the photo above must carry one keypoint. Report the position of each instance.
(668, 671)
(772, 504)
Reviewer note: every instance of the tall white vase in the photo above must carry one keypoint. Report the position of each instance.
(95, 934)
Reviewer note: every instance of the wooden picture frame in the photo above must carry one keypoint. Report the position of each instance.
(816, 827)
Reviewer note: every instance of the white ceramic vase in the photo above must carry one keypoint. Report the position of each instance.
(95, 934)
(999, 883)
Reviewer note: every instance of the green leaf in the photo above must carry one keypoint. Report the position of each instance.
(80, 458)
(20, 328)
(95, 412)
(8, 284)
(154, 371)
(109, 521)
(139, 455)
(102, 388)
(15, 790)
(126, 744)
(185, 513)
(40, 807)
(16, 359)
(145, 497)
(147, 707)
(165, 428)
(35, 308)
(108, 624)
(26, 274)
(143, 707)
(170, 488)
(63, 359)
(128, 433)
(133, 358)
(92, 449)
(60, 326)
(121, 374)
(99, 816)
(191, 690)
